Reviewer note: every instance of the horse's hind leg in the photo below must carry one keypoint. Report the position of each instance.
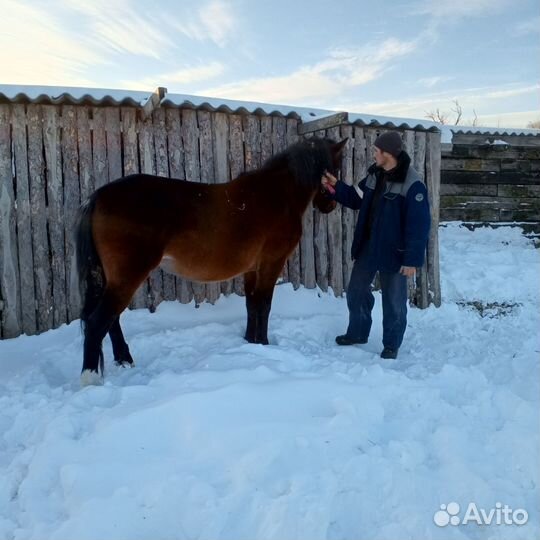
(112, 303)
(120, 347)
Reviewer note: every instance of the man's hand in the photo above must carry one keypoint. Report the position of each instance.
(408, 271)
(328, 181)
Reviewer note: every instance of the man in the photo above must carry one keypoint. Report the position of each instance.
(390, 238)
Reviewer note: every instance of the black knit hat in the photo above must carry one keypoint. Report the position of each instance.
(389, 142)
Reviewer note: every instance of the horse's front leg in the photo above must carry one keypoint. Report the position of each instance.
(250, 279)
(259, 288)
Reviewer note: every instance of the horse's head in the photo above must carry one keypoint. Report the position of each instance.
(323, 201)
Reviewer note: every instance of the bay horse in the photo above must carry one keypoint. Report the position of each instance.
(204, 232)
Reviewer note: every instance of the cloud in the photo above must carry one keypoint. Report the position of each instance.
(430, 82)
(453, 9)
(340, 71)
(501, 94)
(184, 76)
(530, 26)
(117, 26)
(38, 49)
(214, 21)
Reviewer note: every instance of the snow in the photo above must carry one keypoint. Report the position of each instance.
(212, 437)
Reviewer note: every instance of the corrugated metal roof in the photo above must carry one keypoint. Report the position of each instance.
(495, 131)
(103, 97)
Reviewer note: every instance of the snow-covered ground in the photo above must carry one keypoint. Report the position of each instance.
(211, 437)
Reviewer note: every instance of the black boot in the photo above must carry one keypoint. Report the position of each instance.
(389, 354)
(346, 340)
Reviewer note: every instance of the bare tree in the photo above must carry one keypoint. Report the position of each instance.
(458, 112)
(437, 116)
(443, 117)
(454, 117)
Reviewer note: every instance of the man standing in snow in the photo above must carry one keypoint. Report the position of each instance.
(390, 237)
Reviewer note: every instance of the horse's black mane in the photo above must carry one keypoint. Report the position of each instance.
(307, 160)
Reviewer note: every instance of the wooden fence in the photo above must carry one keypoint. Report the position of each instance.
(491, 183)
(54, 156)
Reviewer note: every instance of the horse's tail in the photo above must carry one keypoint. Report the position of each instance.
(90, 269)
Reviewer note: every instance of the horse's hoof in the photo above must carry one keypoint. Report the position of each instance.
(124, 363)
(91, 378)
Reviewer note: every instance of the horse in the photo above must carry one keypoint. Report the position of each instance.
(201, 232)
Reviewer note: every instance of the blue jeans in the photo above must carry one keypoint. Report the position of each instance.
(360, 302)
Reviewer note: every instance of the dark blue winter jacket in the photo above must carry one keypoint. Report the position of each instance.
(399, 226)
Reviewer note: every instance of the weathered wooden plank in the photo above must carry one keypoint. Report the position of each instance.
(371, 135)
(520, 214)
(236, 160)
(347, 215)
(457, 177)
(519, 165)
(517, 191)
(84, 142)
(176, 167)
(162, 169)
(320, 124)
(307, 249)
(148, 166)
(279, 143)
(153, 102)
(467, 177)
(10, 289)
(433, 171)
(421, 279)
(335, 238)
(220, 146)
(252, 142)
(72, 200)
(266, 139)
(508, 203)
(130, 145)
(174, 142)
(38, 210)
(419, 162)
(482, 139)
(114, 143)
(99, 148)
(190, 140)
(24, 221)
(470, 214)
(293, 263)
(487, 190)
(360, 166)
(449, 163)
(213, 290)
(409, 146)
(408, 138)
(320, 235)
(55, 214)
(516, 152)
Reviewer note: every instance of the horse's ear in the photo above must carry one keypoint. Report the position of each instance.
(337, 149)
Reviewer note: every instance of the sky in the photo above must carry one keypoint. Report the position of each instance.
(393, 58)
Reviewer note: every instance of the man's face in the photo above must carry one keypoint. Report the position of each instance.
(381, 158)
